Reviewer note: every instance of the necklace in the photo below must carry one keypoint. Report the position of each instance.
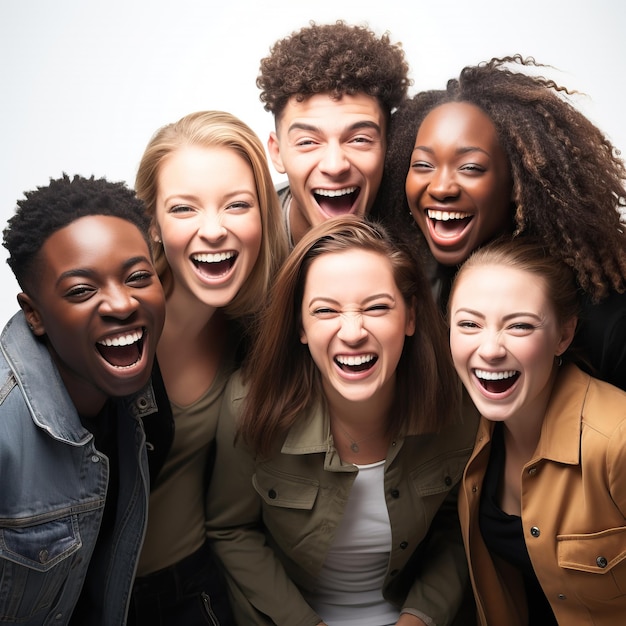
(354, 445)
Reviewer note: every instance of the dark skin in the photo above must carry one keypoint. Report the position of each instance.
(87, 296)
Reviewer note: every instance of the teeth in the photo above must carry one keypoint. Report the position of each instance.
(122, 340)
(213, 258)
(494, 375)
(355, 360)
(444, 216)
(334, 193)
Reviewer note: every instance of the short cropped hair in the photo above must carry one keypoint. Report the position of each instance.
(49, 209)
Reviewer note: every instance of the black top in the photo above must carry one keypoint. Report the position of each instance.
(503, 535)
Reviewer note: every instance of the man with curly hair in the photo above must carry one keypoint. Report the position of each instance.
(331, 89)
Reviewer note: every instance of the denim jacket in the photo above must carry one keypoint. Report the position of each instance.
(53, 485)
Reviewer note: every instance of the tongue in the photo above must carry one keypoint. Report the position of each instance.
(120, 356)
(450, 228)
(339, 205)
(215, 270)
(498, 386)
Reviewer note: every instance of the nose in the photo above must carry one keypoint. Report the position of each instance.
(212, 228)
(443, 185)
(491, 347)
(334, 160)
(352, 331)
(118, 302)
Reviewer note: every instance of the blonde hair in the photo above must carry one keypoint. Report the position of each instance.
(210, 129)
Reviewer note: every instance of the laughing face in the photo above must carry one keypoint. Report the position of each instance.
(209, 221)
(99, 305)
(504, 337)
(333, 154)
(354, 321)
(459, 186)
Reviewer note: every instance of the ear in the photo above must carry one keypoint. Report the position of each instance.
(155, 233)
(31, 313)
(567, 335)
(303, 337)
(273, 148)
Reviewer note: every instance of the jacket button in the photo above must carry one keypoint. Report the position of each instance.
(404, 545)
(562, 596)
(448, 481)
(95, 458)
(601, 562)
(142, 403)
(271, 494)
(43, 555)
(532, 471)
(535, 532)
(474, 488)
(395, 493)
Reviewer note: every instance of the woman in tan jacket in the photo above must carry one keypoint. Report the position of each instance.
(543, 497)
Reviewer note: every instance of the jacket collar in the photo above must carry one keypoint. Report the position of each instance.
(562, 424)
(43, 390)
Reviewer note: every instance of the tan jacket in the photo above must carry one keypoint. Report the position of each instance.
(273, 522)
(573, 511)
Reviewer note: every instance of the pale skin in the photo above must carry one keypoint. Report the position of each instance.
(206, 206)
(344, 315)
(503, 323)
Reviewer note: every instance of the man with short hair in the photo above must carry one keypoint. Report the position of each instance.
(75, 390)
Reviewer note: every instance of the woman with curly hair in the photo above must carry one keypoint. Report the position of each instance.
(501, 151)
(331, 89)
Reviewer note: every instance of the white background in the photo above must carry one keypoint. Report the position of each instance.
(83, 85)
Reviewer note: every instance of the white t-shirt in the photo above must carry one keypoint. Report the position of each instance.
(349, 591)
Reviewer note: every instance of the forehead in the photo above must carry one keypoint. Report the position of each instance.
(458, 119)
(342, 270)
(325, 112)
(496, 285)
(94, 241)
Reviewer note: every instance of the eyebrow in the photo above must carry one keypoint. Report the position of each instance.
(81, 272)
(363, 124)
(188, 197)
(365, 301)
(464, 150)
(505, 318)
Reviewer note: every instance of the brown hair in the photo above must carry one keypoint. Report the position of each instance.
(283, 381)
(568, 179)
(336, 59)
(534, 258)
(209, 129)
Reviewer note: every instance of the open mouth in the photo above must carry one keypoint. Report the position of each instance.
(496, 382)
(123, 350)
(448, 224)
(360, 363)
(335, 202)
(214, 265)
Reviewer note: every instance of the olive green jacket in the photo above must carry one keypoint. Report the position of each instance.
(273, 521)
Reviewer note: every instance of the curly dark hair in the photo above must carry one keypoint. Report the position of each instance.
(568, 178)
(50, 208)
(336, 59)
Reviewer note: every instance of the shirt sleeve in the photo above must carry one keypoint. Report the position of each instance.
(261, 591)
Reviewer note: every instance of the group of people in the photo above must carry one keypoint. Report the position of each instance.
(391, 391)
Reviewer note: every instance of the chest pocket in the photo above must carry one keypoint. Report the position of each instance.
(288, 503)
(34, 565)
(596, 563)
